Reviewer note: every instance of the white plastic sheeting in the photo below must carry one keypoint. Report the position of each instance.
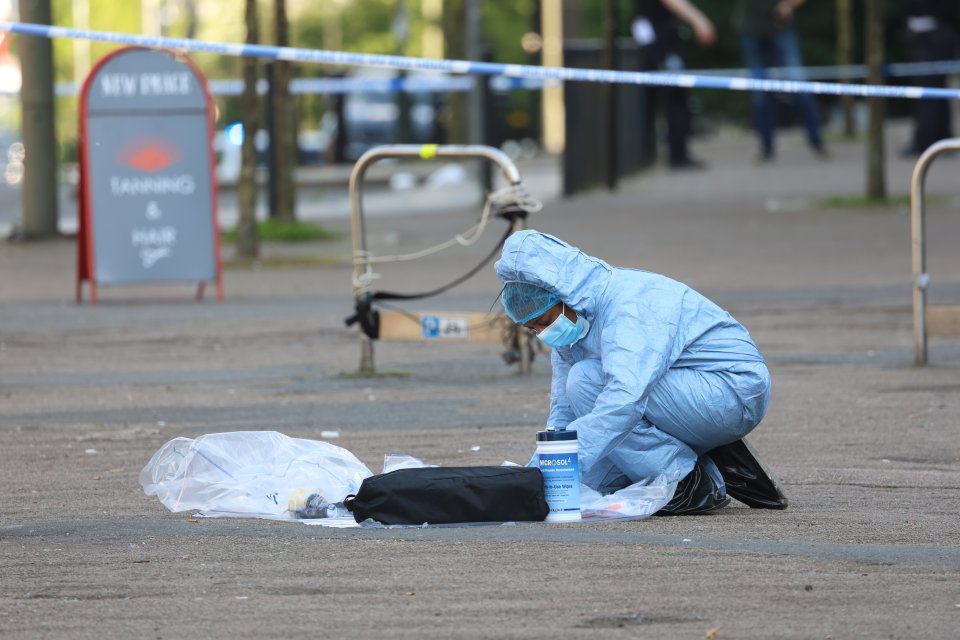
(265, 474)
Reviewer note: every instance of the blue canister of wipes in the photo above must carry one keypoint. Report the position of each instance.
(557, 458)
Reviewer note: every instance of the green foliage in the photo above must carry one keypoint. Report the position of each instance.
(504, 24)
(865, 202)
(273, 230)
(285, 262)
(356, 375)
(368, 26)
(105, 15)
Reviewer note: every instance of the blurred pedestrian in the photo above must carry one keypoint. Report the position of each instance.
(656, 29)
(766, 32)
(932, 34)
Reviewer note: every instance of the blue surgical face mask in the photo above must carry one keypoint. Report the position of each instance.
(562, 332)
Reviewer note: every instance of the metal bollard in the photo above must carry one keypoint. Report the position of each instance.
(948, 318)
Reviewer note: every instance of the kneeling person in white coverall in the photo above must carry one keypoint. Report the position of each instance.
(655, 378)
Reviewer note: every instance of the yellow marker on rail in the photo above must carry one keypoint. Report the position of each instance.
(428, 151)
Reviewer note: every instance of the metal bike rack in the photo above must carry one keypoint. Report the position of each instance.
(425, 152)
(936, 320)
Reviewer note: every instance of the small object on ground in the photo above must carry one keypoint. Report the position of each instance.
(306, 505)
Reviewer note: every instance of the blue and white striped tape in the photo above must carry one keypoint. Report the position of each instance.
(846, 71)
(314, 86)
(452, 84)
(344, 58)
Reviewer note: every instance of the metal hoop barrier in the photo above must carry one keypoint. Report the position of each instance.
(361, 258)
(939, 320)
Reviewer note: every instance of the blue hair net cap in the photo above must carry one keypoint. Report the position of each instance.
(524, 301)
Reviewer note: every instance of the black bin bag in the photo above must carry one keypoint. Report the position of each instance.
(746, 478)
(447, 495)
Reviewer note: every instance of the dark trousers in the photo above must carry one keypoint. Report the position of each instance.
(664, 55)
(932, 117)
(784, 48)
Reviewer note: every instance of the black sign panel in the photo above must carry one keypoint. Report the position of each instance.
(148, 205)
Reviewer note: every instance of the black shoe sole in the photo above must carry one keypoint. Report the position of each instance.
(698, 511)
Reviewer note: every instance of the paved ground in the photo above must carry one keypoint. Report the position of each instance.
(864, 443)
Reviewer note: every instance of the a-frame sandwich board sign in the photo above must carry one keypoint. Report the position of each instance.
(147, 197)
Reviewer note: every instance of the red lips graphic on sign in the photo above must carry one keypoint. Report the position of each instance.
(149, 154)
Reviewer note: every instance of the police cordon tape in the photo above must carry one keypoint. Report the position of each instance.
(311, 86)
(344, 58)
(845, 71)
(453, 84)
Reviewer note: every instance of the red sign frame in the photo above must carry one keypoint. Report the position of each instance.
(86, 249)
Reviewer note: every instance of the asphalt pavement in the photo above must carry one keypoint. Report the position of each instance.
(863, 442)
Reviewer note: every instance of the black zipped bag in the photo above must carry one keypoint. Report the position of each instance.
(447, 495)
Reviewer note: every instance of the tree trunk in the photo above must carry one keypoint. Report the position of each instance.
(845, 57)
(283, 132)
(190, 6)
(400, 29)
(248, 245)
(36, 98)
(610, 91)
(455, 42)
(876, 179)
(555, 16)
